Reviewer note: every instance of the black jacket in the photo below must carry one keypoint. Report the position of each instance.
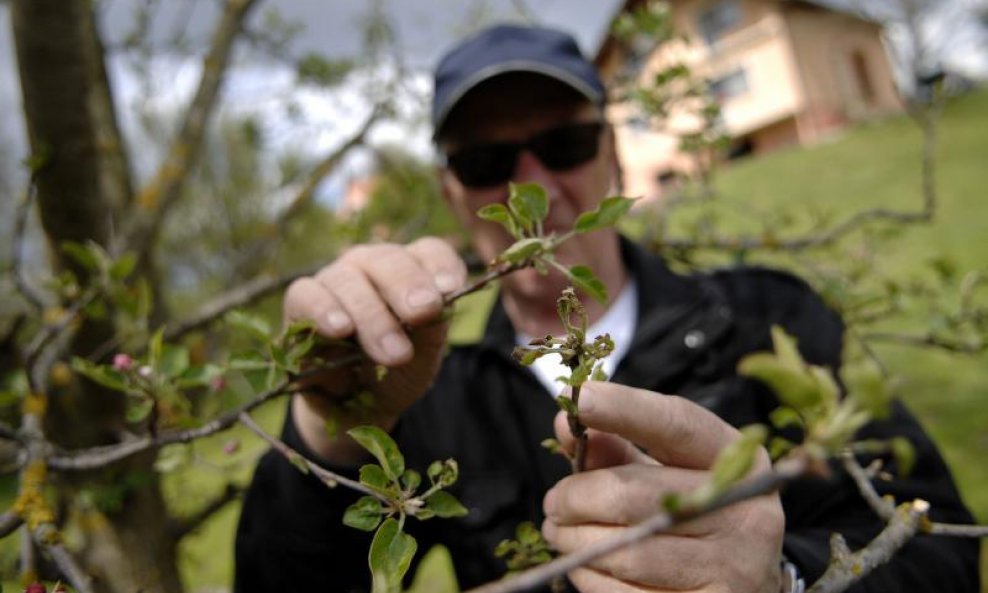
(491, 415)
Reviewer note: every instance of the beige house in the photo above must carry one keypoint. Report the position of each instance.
(786, 72)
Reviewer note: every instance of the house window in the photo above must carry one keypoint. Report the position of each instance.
(719, 18)
(732, 84)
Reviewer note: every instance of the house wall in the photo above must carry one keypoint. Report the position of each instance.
(843, 68)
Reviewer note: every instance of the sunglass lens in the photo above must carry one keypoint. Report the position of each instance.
(568, 146)
(486, 165)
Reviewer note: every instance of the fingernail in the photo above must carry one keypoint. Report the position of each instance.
(421, 297)
(337, 321)
(446, 282)
(395, 345)
(586, 400)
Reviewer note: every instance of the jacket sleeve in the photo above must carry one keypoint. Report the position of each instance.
(817, 508)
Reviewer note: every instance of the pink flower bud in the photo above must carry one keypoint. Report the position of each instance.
(35, 588)
(145, 371)
(217, 383)
(122, 362)
(231, 446)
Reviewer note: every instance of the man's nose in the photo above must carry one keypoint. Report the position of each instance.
(530, 169)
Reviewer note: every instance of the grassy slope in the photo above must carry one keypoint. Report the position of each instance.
(879, 165)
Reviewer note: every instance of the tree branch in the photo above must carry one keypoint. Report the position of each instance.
(331, 479)
(242, 295)
(95, 457)
(34, 297)
(9, 522)
(157, 198)
(770, 481)
(182, 527)
(927, 340)
(46, 537)
(846, 568)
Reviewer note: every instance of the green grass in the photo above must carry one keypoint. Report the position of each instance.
(878, 164)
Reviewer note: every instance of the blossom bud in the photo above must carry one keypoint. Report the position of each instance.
(35, 588)
(231, 446)
(122, 362)
(217, 383)
(145, 371)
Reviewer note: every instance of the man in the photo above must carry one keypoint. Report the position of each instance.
(521, 104)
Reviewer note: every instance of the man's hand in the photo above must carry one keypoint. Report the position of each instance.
(390, 299)
(736, 549)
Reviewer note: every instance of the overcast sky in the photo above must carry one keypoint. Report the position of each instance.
(424, 28)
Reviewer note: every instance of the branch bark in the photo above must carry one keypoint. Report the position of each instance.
(166, 187)
(846, 567)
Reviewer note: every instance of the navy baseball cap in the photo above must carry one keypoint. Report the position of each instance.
(511, 48)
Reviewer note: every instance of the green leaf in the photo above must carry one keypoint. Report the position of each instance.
(139, 410)
(86, 255)
(795, 388)
(365, 514)
(155, 347)
(527, 533)
(583, 278)
(785, 348)
(174, 361)
(200, 376)
(410, 480)
(607, 213)
(382, 447)
(445, 505)
(250, 361)
(522, 250)
(567, 405)
(123, 267)
(444, 473)
(373, 476)
(905, 455)
(298, 461)
(784, 417)
(529, 203)
(390, 556)
(101, 375)
(500, 214)
(868, 387)
(252, 324)
(736, 460)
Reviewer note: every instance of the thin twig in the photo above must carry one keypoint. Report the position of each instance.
(331, 479)
(157, 198)
(768, 482)
(46, 537)
(886, 509)
(240, 296)
(9, 522)
(34, 297)
(926, 341)
(95, 457)
(846, 567)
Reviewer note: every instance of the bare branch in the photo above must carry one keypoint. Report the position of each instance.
(846, 568)
(185, 526)
(45, 536)
(34, 297)
(883, 508)
(927, 340)
(329, 478)
(241, 296)
(886, 509)
(784, 471)
(95, 457)
(9, 522)
(157, 198)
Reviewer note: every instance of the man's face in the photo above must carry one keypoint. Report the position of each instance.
(520, 110)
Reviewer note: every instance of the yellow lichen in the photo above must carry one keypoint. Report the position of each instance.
(35, 404)
(30, 504)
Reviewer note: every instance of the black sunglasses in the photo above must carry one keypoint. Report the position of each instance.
(559, 149)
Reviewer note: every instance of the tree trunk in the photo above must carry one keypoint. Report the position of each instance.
(84, 189)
